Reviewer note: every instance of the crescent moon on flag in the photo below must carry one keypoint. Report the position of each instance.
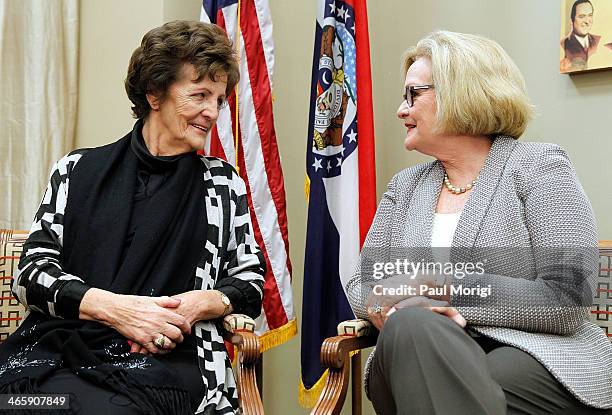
(325, 81)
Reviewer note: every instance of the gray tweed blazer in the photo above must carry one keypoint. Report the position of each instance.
(528, 199)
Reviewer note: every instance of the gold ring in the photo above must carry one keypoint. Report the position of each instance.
(159, 342)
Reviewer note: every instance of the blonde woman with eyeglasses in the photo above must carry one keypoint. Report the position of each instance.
(512, 335)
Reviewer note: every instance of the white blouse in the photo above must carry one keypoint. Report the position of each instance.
(443, 230)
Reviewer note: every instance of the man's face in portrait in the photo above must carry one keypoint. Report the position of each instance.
(583, 20)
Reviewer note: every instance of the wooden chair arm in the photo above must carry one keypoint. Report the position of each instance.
(240, 332)
(336, 351)
(336, 357)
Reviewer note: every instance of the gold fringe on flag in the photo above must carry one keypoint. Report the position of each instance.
(307, 188)
(308, 397)
(274, 337)
(277, 336)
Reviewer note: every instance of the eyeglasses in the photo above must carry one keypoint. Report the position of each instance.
(410, 93)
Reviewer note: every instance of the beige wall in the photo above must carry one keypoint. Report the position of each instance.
(574, 112)
(110, 30)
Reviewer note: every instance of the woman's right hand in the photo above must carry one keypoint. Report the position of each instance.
(140, 319)
(441, 307)
(377, 314)
(388, 293)
(437, 306)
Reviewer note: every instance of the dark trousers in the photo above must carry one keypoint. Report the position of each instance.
(426, 364)
(89, 399)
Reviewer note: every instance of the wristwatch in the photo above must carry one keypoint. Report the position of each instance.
(226, 302)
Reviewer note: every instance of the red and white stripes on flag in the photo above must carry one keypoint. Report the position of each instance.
(245, 137)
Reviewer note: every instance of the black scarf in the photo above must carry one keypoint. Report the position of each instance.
(160, 260)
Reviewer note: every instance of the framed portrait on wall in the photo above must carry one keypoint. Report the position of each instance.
(586, 35)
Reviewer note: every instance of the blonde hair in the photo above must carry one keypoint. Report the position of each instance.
(479, 89)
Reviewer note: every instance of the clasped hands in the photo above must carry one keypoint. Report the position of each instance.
(152, 325)
(162, 326)
(394, 293)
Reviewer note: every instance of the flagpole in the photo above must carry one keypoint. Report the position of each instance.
(341, 184)
(237, 121)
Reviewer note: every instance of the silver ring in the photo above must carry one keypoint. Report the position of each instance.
(375, 309)
(159, 342)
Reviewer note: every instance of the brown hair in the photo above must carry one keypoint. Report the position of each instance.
(157, 62)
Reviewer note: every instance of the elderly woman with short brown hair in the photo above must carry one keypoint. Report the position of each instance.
(139, 247)
(512, 335)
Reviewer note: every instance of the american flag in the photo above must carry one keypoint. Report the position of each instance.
(245, 137)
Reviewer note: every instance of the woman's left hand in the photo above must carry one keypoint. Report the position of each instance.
(137, 348)
(452, 313)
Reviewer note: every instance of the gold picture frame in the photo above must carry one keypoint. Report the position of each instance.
(586, 35)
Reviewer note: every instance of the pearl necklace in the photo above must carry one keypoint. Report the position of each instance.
(457, 190)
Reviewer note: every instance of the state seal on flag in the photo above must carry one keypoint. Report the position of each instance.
(335, 111)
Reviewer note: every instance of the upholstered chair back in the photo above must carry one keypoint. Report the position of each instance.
(601, 311)
(11, 311)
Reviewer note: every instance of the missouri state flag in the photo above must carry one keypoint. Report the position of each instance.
(341, 180)
(245, 136)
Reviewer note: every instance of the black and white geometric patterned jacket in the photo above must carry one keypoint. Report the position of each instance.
(230, 251)
(528, 206)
